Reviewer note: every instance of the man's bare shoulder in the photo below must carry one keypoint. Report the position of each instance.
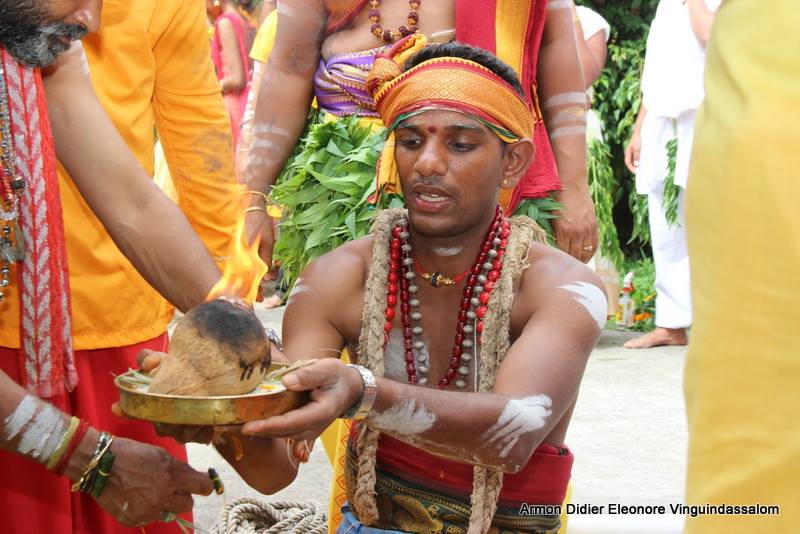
(549, 270)
(341, 269)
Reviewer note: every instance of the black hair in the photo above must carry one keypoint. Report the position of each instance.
(477, 55)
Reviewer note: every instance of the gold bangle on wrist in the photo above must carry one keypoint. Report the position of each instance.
(260, 194)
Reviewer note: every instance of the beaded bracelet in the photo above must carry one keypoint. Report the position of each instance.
(74, 441)
(87, 477)
(62, 445)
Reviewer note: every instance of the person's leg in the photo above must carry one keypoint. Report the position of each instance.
(671, 259)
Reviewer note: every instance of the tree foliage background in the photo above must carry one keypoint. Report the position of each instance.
(621, 212)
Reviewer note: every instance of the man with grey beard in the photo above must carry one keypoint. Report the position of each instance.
(134, 482)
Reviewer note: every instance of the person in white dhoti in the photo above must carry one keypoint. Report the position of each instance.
(672, 90)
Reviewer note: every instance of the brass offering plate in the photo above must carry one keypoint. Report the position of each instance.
(268, 399)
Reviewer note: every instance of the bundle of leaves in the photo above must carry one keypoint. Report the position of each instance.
(324, 190)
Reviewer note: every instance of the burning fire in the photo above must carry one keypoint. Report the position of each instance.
(244, 268)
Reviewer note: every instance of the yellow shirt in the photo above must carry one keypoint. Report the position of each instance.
(265, 38)
(151, 67)
(743, 367)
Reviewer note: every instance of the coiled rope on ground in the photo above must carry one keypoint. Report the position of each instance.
(253, 516)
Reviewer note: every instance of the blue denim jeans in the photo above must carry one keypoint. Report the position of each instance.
(351, 525)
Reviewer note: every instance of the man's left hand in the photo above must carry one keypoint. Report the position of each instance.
(576, 227)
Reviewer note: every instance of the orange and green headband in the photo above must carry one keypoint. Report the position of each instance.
(443, 83)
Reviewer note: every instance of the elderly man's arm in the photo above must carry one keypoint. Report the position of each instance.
(535, 386)
(147, 227)
(194, 127)
(145, 481)
(561, 91)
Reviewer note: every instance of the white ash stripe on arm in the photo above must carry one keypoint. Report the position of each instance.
(39, 426)
(591, 298)
(519, 417)
(404, 418)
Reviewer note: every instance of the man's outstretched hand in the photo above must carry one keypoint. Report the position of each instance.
(334, 388)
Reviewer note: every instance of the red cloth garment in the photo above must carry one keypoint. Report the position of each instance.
(235, 101)
(35, 501)
(543, 480)
(476, 25)
(341, 13)
(45, 357)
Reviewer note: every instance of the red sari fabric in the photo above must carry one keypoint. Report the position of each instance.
(35, 501)
(419, 492)
(235, 101)
(476, 25)
(543, 480)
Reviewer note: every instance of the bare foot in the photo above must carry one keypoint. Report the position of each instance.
(657, 338)
(273, 301)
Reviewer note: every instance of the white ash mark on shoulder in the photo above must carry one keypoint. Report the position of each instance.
(299, 288)
(592, 298)
(404, 418)
(519, 417)
(447, 251)
(286, 10)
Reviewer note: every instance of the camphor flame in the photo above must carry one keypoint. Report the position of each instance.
(244, 268)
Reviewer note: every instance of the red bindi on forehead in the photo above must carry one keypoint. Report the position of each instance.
(433, 129)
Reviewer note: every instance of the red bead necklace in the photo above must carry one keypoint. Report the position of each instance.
(481, 280)
(391, 36)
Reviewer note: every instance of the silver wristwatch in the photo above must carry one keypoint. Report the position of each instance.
(363, 406)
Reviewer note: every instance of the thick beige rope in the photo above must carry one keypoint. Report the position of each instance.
(252, 516)
(370, 355)
(495, 342)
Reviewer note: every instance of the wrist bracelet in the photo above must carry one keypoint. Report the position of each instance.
(54, 459)
(86, 481)
(74, 441)
(103, 472)
(363, 406)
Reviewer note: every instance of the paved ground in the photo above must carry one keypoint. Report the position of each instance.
(628, 434)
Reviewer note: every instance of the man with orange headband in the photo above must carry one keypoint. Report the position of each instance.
(471, 335)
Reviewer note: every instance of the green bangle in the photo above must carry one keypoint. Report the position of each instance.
(103, 472)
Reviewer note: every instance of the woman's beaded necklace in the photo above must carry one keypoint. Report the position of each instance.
(11, 187)
(391, 36)
(481, 280)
